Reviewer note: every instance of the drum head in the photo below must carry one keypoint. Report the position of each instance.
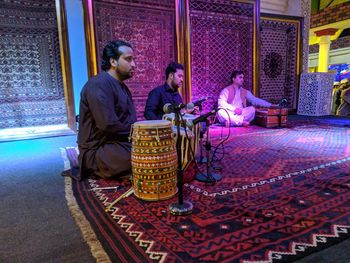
(169, 116)
(151, 124)
(186, 116)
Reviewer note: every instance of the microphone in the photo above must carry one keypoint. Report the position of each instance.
(200, 101)
(204, 117)
(169, 108)
(283, 103)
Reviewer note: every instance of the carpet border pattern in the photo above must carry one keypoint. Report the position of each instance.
(86, 230)
(129, 236)
(263, 182)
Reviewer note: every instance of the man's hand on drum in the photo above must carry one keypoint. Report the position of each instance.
(194, 111)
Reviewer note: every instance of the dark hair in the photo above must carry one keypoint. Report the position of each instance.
(235, 73)
(171, 68)
(111, 50)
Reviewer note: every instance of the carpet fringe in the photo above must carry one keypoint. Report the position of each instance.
(89, 236)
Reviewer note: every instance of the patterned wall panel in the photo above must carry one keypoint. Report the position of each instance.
(31, 88)
(221, 41)
(315, 97)
(150, 27)
(305, 13)
(279, 58)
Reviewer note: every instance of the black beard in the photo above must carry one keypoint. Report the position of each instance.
(174, 87)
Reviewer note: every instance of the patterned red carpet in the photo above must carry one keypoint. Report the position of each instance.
(285, 193)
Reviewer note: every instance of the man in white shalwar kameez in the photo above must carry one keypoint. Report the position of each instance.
(232, 103)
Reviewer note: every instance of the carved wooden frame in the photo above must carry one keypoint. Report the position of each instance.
(299, 65)
(65, 63)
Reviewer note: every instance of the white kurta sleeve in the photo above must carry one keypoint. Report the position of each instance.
(222, 101)
(256, 101)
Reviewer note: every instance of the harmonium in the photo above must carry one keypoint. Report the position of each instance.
(271, 117)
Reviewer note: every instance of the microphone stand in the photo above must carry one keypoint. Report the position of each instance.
(182, 207)
(201, 159)
(209, 177)
(280, 116)
(281, 105)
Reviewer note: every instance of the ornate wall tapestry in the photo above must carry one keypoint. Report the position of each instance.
(149, 25)
(31, 87)
(222, 39)
(306, 13)
(280, 58)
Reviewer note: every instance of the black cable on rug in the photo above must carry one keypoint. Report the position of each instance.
(214, 158)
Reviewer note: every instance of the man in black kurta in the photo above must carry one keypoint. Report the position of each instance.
(106, 114)
(166, 93)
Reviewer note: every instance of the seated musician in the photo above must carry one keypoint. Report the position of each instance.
(232, 103)
(166, 93)
(106, 114)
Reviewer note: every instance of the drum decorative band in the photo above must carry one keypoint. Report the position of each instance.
(153, 160)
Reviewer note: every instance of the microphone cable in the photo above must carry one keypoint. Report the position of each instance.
(189, 143)
(215, 158)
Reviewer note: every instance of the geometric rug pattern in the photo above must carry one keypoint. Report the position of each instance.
(31, 84)
(285, 193)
